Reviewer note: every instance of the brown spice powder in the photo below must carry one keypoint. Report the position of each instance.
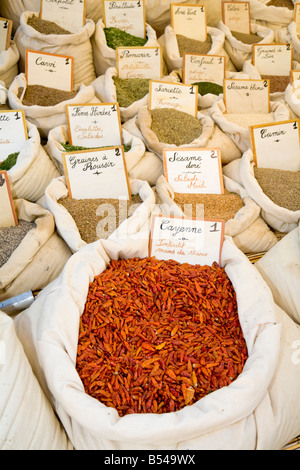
(282, 3)
(45, 26)
(281, 186)
(246, 38)
(192, 46)
(40, 95)
(278, 83)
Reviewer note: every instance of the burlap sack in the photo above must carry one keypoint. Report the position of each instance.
(9, 64)
(272, 17)
(77, 45)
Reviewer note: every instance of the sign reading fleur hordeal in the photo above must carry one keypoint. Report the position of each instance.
(126, 15)
(189, 20)
(13, 132)
(68, 14)
(8, 217)
(49, 70)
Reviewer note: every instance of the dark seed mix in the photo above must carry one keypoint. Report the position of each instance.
(40, 95)
(246, 38)
(282, 3)
(175, 127)
(281, 186)
(192, 46)
(45, 26)
(278, 83)
(11, 237)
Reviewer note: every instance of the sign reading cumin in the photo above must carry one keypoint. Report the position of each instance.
(273, 59)
(127, 15)
(236, 15)
(277, 145)
(194, 170)
(189, 20)
(94, 125)
(186, 240)
(97, 173)
(203, 68)
(173, 95)
(5, 33)
(13, 132)
(247, 96)
(8, 217)
(68, 14)
(49, 70)
(139, 62)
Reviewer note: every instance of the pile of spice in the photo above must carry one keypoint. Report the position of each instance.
(246, 38)
(89, 213)
(156, 336)
(282, 3)
(278, 83)
(75, 148)
(175, 127)
(208, 87)
(9, 162)
(11, 237)
(246, 120)
(130, 90)
(40, 95)
(45, 26)
(281, 186)
(192, 46)
(116, 37)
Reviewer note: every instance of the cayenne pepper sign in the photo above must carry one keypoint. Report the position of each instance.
(8, 217)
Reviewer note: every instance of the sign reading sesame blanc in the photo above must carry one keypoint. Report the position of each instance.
(68, 14)
(5, 33)
(94, 125)
(139, 62)
(13, 132)
(189, 20)
(276, 145)
(97, 173)
(186, 240)
(194, 170)
(273, 59)
(8, 217)
(173, 95)
(203, 68)
(49, 70)
(236, 15)
(247, 96)
(126, 15)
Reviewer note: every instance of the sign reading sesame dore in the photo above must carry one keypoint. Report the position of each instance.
(197, 170)
(189, 20)
(203, 68)
(5, 33)
(186, 240)
(173, 95)
(236, 15)
(69, 15)
(276, 145)
(13, 132)
(273, 59)
(8, 217)
(247, 96)
(127, 15)
(139, 62)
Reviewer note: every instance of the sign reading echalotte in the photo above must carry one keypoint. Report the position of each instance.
(139, 62)
(94, 125)
(189, 20)
(236, 15)
(5, 33)
(68, 14)
(277, 145)
(247, 96)
(97, 173)
(126, 15)
(49, 70)
(273, 59)
(194, 170)
(8, 217)
(203, 68)
(186, 240)
(13, 132)
(173, 95)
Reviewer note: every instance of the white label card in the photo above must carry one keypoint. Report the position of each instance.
(68, 14)
(295, 75)
(189, 20)
(187, 240)
(13, 132)
(236, 15)
(203, 68)
(273, 59)
(297, 16)
(49, 70)
(196, 171)
(126, 15)
(139, 62)
(8, 217)
(173, 95)
(247, 96)
(277, 145)
(5, 33)
(94, 125)
(93, 174)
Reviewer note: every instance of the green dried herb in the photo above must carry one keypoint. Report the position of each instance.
(208, 87)
(74, 148)
(175, 127)
(9, 162)
(130, 90)
(115, 37)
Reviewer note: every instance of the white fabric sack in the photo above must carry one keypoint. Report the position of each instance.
(3, 93)
(289, 35)
(292, 97)
(47, 117)
(9, 64)
(40, 256)
(262, 419)
(28, 421)
(270, 16)
(77, 45)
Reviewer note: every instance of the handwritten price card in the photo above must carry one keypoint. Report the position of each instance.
(93, 174)
(236, 15)
(273, 59)
(276, 145)
(203, 68)
(13, 132)
(197, 170)
(189, 20)
(5, 33)
(187, 240)
(94, 125)
(127, 15)
(69, 15)
(173, 95)
(295, 75)
(8, 216)
(49, 70)
(139, 62)
(247, 96)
